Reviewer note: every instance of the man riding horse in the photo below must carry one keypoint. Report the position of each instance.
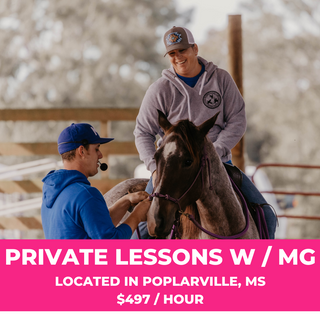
(194, 89)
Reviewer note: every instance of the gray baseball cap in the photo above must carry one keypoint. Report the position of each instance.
(178, 38)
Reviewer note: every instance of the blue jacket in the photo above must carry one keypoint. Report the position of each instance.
(72, 209)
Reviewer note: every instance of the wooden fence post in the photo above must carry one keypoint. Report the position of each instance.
(105, 133)
(235, 69)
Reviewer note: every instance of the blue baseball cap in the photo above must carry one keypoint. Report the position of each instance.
(79, 134)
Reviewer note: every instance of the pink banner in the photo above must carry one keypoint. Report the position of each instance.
(159, 275)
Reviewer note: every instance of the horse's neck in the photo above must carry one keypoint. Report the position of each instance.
(219, 209)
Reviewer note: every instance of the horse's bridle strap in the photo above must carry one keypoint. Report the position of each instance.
(205, 160)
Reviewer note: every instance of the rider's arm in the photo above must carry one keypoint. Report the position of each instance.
(147, 126)
(234, 116)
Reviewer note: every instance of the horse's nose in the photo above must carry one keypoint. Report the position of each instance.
(161, 216)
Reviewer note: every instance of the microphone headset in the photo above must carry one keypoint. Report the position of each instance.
(103, 166)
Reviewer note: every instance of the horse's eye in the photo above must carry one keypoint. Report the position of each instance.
(188, 162)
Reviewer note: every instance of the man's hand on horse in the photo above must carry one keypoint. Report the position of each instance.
(141, 210)
(137, 197)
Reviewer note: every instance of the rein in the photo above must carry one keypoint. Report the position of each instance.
(236, 236)
(175, 232)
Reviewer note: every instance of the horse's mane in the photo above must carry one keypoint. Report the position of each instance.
(187, 132)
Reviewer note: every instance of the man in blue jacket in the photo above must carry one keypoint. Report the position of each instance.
(71, 208)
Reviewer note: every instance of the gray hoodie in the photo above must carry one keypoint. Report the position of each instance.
(215, 91)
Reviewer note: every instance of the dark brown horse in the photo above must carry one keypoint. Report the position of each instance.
(182, 185)
(207, 195)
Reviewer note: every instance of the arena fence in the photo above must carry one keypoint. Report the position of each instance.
(103, 115)
(281, 192)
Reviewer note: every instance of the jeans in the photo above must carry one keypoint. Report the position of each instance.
(250, 192)
(253, 195)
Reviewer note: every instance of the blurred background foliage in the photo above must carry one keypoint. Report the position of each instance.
(102, 53)
(281, 59)
(81, 53)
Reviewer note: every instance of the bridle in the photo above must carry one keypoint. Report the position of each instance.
(175, 228)
(204, 160)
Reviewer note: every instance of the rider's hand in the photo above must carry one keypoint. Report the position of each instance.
(137, 197)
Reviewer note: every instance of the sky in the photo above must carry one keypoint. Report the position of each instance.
(208, 14)
(214, 14)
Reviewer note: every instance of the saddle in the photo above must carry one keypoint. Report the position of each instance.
(234, 173)
(255, 209)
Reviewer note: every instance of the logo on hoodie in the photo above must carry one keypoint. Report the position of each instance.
(212, 99)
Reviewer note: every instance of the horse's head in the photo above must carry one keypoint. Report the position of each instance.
(178, 162)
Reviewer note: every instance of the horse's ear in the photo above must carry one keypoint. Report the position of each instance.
(163, 121)
(208, 124)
